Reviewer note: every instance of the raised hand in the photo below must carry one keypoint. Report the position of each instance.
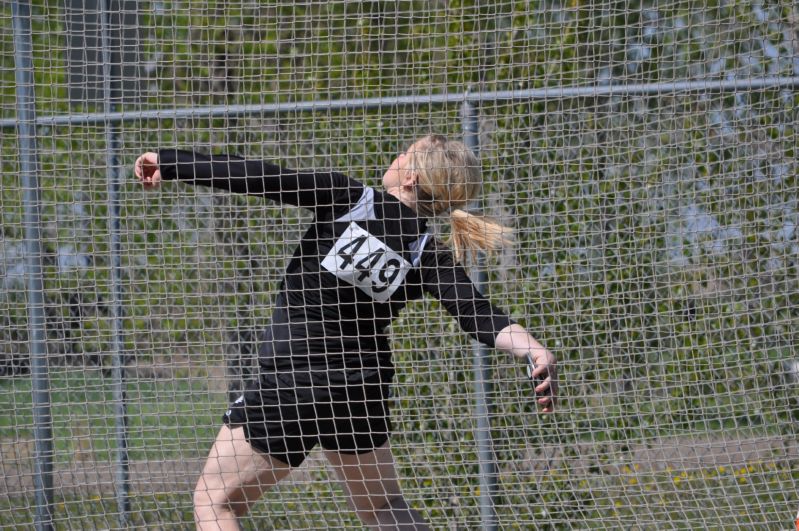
(147, 171)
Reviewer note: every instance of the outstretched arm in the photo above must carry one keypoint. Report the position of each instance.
(254, 177)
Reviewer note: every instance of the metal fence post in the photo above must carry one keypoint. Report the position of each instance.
(29, 169)
(482, 369)
(111, 93)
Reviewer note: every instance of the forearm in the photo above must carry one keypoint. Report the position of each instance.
(543, 371)
(516, 340)
(219, 171)
(254, 177)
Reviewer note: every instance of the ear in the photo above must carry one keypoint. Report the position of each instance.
(410, 179)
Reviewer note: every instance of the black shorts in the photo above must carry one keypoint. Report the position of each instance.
(285, 415)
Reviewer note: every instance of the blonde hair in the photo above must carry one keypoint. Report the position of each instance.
(448, 177)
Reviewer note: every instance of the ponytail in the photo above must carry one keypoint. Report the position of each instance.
(448, 177)
(472, 233)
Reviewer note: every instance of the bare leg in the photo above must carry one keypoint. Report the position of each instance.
(234, 477)
(370, 481)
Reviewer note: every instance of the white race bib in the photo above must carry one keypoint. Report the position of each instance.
(367, 263)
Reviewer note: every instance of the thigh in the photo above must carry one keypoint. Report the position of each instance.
(235, 474)
(357, 418)
(369, 479)
(278, 417)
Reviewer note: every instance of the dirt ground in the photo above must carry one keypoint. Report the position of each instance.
(86, 476)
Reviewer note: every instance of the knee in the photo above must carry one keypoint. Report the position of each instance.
(212, 505)
(201, 498)
(206, 507)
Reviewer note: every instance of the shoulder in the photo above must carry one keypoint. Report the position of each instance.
(438, 247)
(342, 195)
(437, 254)
(370, 204)
(353, 201)
(340, 184)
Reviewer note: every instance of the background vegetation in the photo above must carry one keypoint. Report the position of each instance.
(656, 255)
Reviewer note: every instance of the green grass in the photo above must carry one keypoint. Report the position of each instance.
(166, 418)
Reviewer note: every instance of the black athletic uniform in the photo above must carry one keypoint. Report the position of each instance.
(325, 362)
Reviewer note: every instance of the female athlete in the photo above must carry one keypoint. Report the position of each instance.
(325, 363)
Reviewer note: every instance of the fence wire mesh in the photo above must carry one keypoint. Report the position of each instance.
(656, 251)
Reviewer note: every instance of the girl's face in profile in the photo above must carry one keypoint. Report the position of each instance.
(398, 174)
